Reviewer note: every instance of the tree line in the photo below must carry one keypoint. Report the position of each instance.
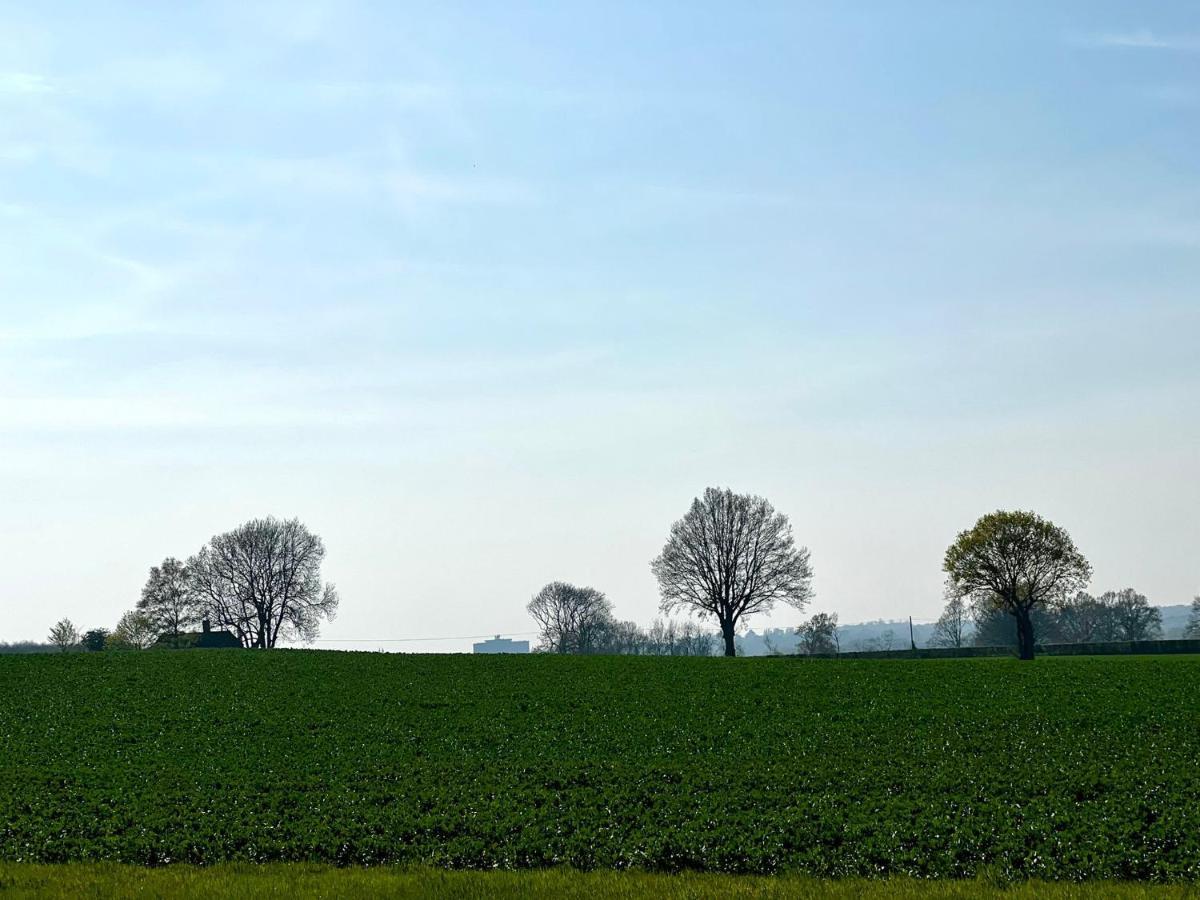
(729, 557)
(732, 556)
(261, 582)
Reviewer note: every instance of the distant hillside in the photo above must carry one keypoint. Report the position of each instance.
(1175, 619)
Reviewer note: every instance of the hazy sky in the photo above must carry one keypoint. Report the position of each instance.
(487, 293)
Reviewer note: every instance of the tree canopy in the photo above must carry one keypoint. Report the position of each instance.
(262, 581)
(1015, 562)
(571, 619)
(731, 556)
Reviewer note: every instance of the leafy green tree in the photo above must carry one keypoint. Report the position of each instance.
(64, 635)
(135, 631)
(1015, 562)
(731, 556)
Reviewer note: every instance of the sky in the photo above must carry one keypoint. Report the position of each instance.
(486, 293)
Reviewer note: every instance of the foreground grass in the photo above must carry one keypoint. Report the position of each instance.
(301, 880)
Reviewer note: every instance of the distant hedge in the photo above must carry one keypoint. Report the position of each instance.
(1108, 648)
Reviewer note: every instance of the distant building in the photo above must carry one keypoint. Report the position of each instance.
(501, 645)
(204, 639)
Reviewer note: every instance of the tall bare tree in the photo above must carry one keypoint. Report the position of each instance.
(572, 619)
(1134, 619)
(1016, 562)
(950, 630)
(64, 635)
(262, 581)
(168, 598)
(731, 556)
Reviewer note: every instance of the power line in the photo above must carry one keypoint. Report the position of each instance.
(461, 637)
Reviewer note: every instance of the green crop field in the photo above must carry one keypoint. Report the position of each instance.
(1065, 768)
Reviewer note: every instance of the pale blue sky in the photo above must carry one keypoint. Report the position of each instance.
(486, 293)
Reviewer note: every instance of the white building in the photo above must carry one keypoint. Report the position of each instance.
(501, 645)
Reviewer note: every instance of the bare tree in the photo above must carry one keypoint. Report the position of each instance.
(262, 581)
(950, 630)
(64, 635)
(1193, 625)
(1016, 562)
(572, 619)
(1083, 619)
(820, 634)
(135, 630)
(1134, 619)
(731, 556)
(168, 598)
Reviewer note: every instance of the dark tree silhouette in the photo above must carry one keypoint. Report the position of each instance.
(262, 581)
(731, 556)
(94, 640)
(572, 619)
(168, 599)
(1016, 562)
(1133, 618)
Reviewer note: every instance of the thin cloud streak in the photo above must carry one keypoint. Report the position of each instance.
(1144, 39)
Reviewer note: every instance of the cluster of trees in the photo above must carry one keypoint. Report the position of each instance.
(135, 630)
(575, 619)
(1018, 570)
(1012, 575)
(1124, 615)
(730, 556)
(261, 581)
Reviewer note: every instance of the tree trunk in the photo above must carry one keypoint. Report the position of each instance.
(727, 633)
(1024, 634)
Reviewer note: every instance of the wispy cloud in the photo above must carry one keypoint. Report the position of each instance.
(1143, 39)
(24, 84)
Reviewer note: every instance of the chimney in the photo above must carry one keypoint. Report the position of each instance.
(204, 626)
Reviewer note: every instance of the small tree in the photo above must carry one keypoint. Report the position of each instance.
(64, 635)
(134, 631)
(820, 634)
(1016, 562)
(950, 630)
(94, 640)
(731, 556)
(572, 619)
(1134, 619)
